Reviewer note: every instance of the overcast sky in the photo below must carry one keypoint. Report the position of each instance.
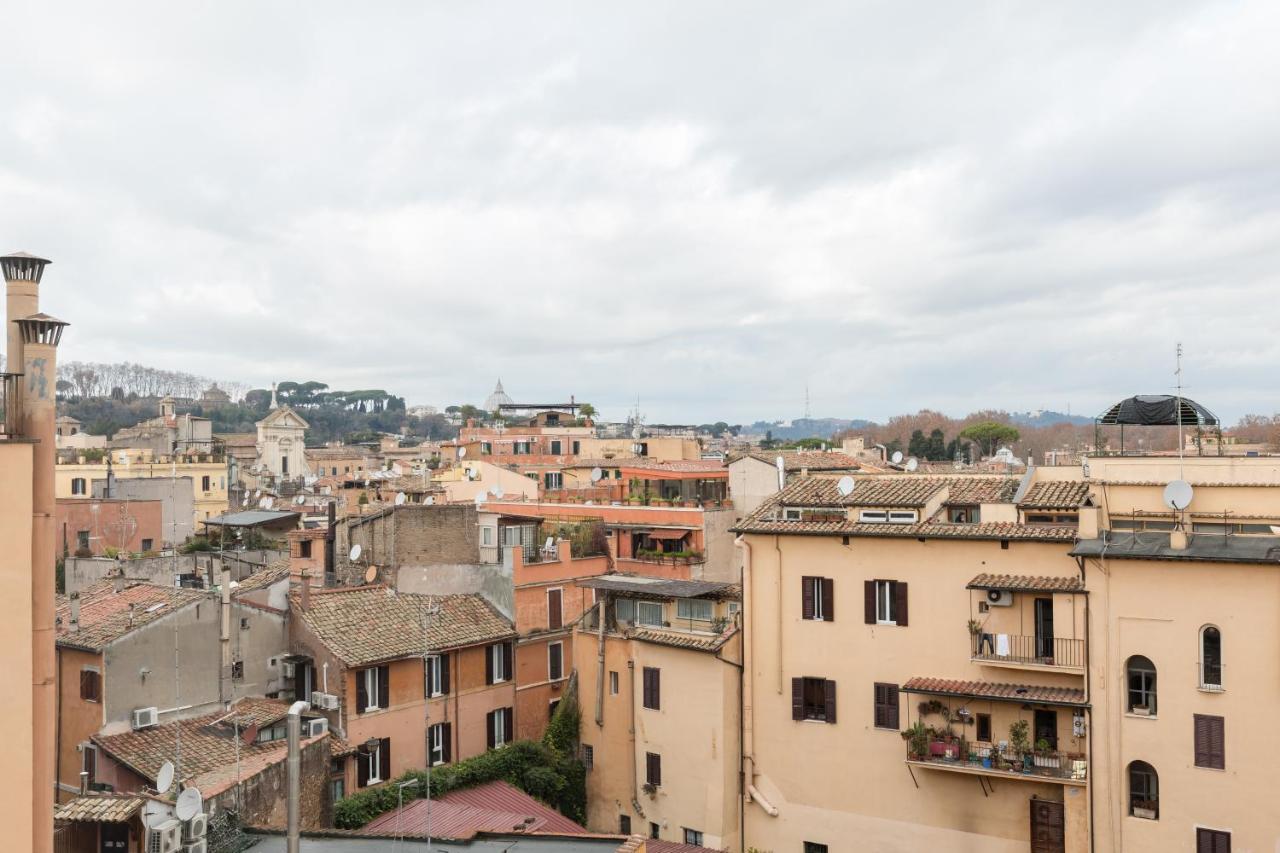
(706, 206)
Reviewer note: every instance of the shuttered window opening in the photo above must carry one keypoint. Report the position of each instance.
(886, 706)
(441, 743)
(652, 688)
(555, 609)
(90, 685)
(652, 769)
(813, 699)
(555, 661)
(373, 689)
(817, 599)
(885, 602)
(1210, 742)
(1212, 841)
(373, 765)
(498, 724)
(497, 663)
(437, 675)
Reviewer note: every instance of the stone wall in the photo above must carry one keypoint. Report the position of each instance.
(263, 798)
(410, 535)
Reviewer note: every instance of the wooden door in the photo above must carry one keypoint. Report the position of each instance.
(114, 837)
(1048, 827)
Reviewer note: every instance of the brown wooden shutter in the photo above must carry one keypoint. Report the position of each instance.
(869, 601)
(1212, 841)
(653, 768)
(384, 759)
(806, 597)
(828, 600)
(362, 695)
(652, 697)
(362, 770)
(444, 673)
(507, 671)
(900, 602)
(508, 725)
(886, 706)
(1210, 742)
(797, 698)
(554, 609)
(447, 752)
(488, 729)
(829, 699)
(384, 687)
(91, 763)
(488, 664)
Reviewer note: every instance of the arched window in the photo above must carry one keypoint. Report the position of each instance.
(1144, 791)
(1141, 675)
(1210, 658)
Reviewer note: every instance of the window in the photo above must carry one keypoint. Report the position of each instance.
(903, 517)
(1210, 738)
(555, 447)
(652, 679)
(613, 683)
(372, 689)
(498, 663)
(813, 699)
(1140, 673)
(551, 708)
(814, 847)
(148, 544)
(694, 608)
(886, 706)
(520, 447)
(555, 661)
(268, 734)
(588, 756)
(1212, 841)
(649, 613)
(486, 536)
(284, 464)
(441, 743)
(90, 685)
(553, 480)
(816, 596)
(624, 824)
(498, 724)
(89, 762)
(555, 608)
(692, 836)
(964, 514)
(437, 675)
(205, 484)
(337, 789)
(304, 548)
(870, 516)
(577, 447)
(486, 447)
(244, 623)
(237, 670)
(82, 539)
(984, 728)
(655, 831)
(77, 486)
(652, 769)
(1210, 658)
(734, 607)
(1144, 791)
(886, 603)
(373, 765)
(625, 610)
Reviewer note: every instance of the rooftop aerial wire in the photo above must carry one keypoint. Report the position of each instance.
(1178, 375)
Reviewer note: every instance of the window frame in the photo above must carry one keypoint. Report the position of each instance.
(1149, 689)
(1214, 686)
(435, 676)
(880, 688)
(886, 602)
(642, 606)
(1150, 788)
(435, 744)
(371, 676)
(688, 602)
(552, 675)
(498, 660)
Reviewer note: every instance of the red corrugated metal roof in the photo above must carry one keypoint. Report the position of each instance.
(492, 807)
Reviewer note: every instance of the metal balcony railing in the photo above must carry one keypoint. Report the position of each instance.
(1028, 649)
(988, 758)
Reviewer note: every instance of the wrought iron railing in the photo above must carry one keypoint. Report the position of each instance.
(959, 754)
(1027, 648)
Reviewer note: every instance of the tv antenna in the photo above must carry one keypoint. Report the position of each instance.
(1178, 377)
(596, 474)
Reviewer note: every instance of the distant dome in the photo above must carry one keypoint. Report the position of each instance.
(497, 398)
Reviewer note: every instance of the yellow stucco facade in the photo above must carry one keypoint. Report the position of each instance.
(17, 784)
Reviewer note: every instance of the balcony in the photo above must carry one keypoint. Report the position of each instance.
(991, 761)
(1027, 651)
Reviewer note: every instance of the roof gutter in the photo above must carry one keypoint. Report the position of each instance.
(750, 769)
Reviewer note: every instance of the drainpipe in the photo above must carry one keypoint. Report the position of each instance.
(748, 689)
(631, 732)
(225, 635)
(294, 726)
(601, 609)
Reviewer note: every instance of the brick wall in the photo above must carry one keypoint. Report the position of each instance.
(263, 799)
(410, 535)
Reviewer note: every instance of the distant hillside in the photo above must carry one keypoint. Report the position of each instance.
(806, 427)
(1045, 419)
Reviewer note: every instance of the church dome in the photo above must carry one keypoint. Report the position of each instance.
(496, 399)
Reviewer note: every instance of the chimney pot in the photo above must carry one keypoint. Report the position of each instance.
(1178, 539)
(304, 594)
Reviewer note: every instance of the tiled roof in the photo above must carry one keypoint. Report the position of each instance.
(366, 624)
(460, 814)
(657, 846)
(205, 745)
(797, 460)
(895, 490)
(661, 587)
(264, 577)
(996, 690)
(762, 522)
(1062, 494)
(100, 808)
(982, 490)
(680, 640)
(107, 615)
(680, 466)
(1028, 583)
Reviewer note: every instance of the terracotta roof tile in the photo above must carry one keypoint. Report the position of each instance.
(1028, 583)
(677, 639)
(1061, 494)
(492, 807)
(996, 690)
(264, 577)
(366, 624)
(982, 490)
(895, 490)
(763, 522)
(100, 808)
(107, 615)
(797, 460)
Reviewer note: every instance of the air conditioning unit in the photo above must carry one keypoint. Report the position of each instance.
(165, 837)
(316, 727)
(196, 828)
(999, 598)
(288, 668)
(324, 701)
(331, 702)
(198, 845)
(145, 718)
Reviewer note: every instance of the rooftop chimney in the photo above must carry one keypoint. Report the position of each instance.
(304, 594)
(22, 273)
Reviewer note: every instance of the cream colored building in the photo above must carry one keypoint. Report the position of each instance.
(74, 479)
(659, 694)
(281, 442)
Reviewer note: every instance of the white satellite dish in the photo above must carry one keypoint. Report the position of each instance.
(257, 493)
(268, 503)
(164, 779)
(913, 463)
(462, 451)
(896, 458)
(299, 500)
(845, 486)
(430, 501)
(190, 804)
(245, 502)
(596, 475)
(1178, 494)
(401, 497)
(356, 550)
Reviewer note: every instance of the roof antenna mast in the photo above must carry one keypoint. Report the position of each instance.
(1178, 375)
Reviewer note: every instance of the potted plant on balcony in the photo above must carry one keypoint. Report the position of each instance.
(917, 738)
(1145, 809)
(1020, 742)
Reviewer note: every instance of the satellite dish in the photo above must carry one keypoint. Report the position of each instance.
(462, 451)
(913, 463)
(371, 575)
(356, 550)
(257, 493)
(245, 502)
(596, 475)
(430, 501)
(326, 491)
(300, 500)
(1178, 494)
(164, 779)
(896, 458)
(190, 804)
(268, 503)
(401, 497)
(845, 486)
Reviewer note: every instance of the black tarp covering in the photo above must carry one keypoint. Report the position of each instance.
(1158, 410)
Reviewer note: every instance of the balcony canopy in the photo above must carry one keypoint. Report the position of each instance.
(1157, 410)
